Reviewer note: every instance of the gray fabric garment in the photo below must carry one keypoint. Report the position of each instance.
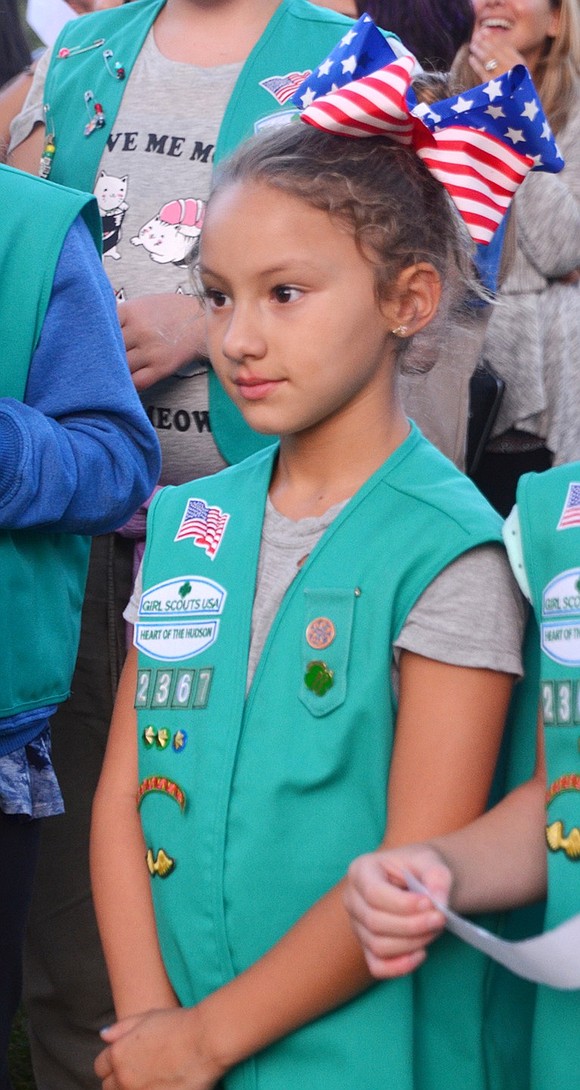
(533, 335)
(438, 401)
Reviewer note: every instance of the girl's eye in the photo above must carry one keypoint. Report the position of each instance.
(216, 299)
(284, 294)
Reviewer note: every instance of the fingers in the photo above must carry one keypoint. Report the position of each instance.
(389, 968)
(103, 1066)
(162, 333)
(113, 1033)
(489, 57)
(142, 372)
(385, 936)
(409, 920)
(379, 879)
(393, 924)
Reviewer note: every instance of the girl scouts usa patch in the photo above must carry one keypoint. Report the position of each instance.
(179, 618)
(560, 629)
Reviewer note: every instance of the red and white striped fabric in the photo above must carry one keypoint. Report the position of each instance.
(375, 105)
(479, 171)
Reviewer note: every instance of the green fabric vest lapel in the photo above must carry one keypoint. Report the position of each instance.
(26, 287)
(43, 575)
(200, 698)
(298, 35)
(552, 562)
(122, 30)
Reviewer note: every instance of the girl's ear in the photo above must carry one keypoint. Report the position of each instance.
(413, 298)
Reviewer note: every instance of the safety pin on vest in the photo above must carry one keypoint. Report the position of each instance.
(49, 145)
(74, 51)
(117, 72)
(97, 118)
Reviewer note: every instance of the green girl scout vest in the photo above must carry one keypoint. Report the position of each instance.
(297, 38)
(549, 513)
(252, 808)
(43, 574)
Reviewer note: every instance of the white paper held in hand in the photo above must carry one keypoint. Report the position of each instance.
(552, 958)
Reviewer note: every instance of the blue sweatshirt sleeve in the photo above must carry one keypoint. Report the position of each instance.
(79, 455)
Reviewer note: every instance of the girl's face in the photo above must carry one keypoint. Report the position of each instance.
(523, 24)
(295, 331)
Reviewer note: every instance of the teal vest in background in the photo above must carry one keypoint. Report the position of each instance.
(298, 37)
(43, 574)
(549, 513)
(253, 808)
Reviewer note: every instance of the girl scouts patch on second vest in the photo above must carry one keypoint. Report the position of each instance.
(178, 618)
(561, 618)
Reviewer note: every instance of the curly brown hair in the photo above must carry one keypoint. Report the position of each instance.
(398, 213)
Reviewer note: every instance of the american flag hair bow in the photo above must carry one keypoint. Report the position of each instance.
(480, 145)
(361, 51)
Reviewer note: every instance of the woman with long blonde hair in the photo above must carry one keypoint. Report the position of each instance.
(533, 337)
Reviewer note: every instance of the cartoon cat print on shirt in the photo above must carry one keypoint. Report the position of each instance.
(110, 193)
(170, 236)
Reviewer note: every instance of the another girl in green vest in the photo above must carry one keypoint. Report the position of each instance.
(326, 641)
(499, 861)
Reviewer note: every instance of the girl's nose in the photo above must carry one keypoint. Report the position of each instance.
(243, 337)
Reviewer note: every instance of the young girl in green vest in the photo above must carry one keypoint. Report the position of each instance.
(326, 639)
(500, 860)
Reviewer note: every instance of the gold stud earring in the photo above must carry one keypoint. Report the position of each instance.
(400, 331)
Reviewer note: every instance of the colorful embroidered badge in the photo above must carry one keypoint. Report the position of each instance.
(558, 842)
(161, 737)
(283, 87)
(560, 627)
(318, 678)
(179, 740)
(171, 688)
(571, 511)
(557, 839)
(569, 782)
(204, 524)
(320, 633)
(160, 865)
(164, 786)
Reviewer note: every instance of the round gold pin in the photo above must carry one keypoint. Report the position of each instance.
(320, 633)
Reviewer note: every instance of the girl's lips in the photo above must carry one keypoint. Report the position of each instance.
(254, 389)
